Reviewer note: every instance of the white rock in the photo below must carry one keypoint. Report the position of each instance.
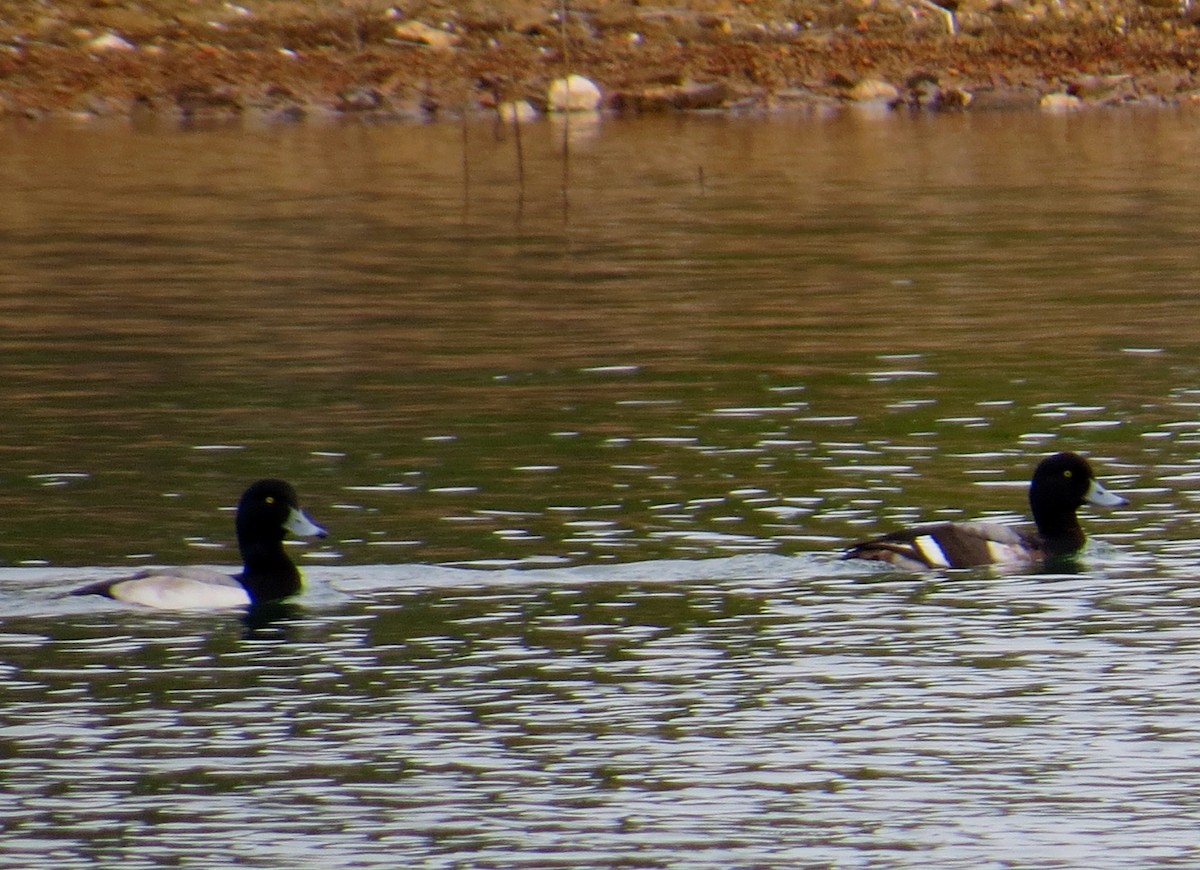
(111, 42)
(573, 94)
(869, 90)
(1060, 102)
(417, 31)
(519, 111)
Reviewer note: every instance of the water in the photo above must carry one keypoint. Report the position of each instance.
(587, 448)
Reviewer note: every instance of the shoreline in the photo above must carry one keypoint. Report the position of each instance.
(292, 62)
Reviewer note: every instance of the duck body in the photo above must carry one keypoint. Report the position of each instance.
(1061, 484)
(951, 545)
(266, 513)
(174, 589)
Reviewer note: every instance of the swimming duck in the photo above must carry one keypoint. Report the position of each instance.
(1061, 484)
(268, 510)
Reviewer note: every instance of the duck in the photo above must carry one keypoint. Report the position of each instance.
(1061, 484)
(268, 510)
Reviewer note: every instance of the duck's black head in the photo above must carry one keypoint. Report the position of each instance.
(270, 509)
(1063, 483)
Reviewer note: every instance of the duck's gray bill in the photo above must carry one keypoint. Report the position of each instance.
(1100, 496)
(298, 524)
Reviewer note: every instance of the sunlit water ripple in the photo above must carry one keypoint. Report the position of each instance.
(742, 711)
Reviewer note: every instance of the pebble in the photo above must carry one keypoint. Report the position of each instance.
(689, 96)
(361, 99)
(111, 42)
(954, 98)
(573, 94)
(419, 32)
(517, 111)
(870, 90)
(1104, 88)
(1060, 102)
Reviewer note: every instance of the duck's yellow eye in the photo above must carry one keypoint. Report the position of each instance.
(270, 499)
(1067, 473)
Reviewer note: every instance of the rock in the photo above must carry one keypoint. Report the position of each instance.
(203, 100)
(573, 94)
(787, 97)
(517, 111)
(1005, 99)
(804, 100)
(1167, 84)
(111, 42)
(292, 114)
(690, 96)
(364, 99)
(924, 91)
(873, 90)
(279, 104)
(97, 106)
(698, 95)
(950, 99)
(1060, 102)
(1103, 88)
(423, 34)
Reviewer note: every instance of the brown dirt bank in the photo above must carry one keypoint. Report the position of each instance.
(192, 57)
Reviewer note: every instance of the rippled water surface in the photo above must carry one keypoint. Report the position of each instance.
(588, 435)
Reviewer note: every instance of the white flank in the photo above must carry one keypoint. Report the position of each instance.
(168, 592)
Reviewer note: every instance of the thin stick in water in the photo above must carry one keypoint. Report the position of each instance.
(466, 163)
(566, 134)
(520, 149)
